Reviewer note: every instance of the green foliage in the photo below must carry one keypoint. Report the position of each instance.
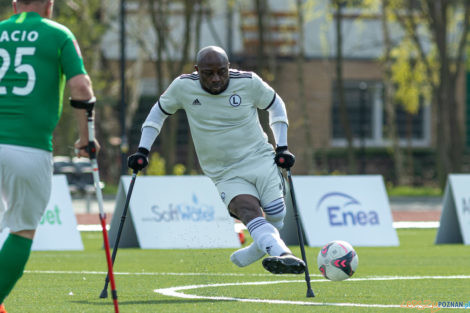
(179, 169)
(110, 189)
(157, 166)
(5, 9)
(413, 191)
(85, 20)
(410, 76)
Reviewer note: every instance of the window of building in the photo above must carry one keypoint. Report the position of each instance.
(367, 118)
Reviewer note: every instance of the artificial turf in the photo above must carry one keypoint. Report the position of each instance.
(408, 274)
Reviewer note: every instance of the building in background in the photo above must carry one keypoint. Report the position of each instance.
(235, 25)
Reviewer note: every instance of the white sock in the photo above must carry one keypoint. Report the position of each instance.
(275, 212)
(246, 256)
(267, 237)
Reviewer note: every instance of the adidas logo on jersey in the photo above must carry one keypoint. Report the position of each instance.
(196, 102)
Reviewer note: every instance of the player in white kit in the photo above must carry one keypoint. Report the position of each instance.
(221, 105)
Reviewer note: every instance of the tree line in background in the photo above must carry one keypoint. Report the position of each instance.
(412, 72)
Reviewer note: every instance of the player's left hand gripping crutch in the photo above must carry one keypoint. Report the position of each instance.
(286, 160)
(104, 292)
(88, 106)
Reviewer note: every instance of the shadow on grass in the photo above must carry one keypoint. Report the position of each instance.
(147, 302)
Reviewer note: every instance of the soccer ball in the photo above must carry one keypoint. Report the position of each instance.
(337, 260)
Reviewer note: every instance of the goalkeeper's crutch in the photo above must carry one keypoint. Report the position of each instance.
(88, 106)
(104, 292)
(300, 235)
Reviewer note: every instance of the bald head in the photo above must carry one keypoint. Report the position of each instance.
(213, 68)
(211, 54)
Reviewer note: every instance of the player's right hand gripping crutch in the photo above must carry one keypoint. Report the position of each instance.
(285, 159)
(88, 106)
(104, 292)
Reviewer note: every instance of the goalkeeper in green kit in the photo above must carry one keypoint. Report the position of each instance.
(38, 57)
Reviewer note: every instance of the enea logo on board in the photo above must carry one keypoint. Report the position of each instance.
(176, 212)
(344, 210)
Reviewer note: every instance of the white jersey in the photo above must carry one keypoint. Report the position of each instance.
(225, 127)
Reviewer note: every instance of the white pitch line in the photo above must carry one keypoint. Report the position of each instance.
(376, 278)
(155, 274)
(239, 226)
(174, 291)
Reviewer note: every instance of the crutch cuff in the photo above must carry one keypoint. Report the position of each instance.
(83, 104)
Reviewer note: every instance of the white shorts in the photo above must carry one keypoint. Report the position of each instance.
(25, 186)
(261, 179)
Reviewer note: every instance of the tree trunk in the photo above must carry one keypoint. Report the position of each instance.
(343, 112)
(190, 151)
(449, 143)
(175, 68)
(389, 102)
(450, 137)
(409, 148)
(439, 20)
(262, 65)
(261, 11)
(309, 158)
(456, 133)
(158, 19)
(199, 13)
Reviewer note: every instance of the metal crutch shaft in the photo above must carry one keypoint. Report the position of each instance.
(104, 292)
(99, 196)
(310, 293)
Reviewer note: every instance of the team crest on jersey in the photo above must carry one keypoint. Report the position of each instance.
(235, 100)
(222, 195)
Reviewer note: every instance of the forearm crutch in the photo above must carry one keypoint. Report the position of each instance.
(88, 106)
(310, 293)
(104, 292)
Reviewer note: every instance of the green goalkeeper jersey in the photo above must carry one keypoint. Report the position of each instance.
(37, 56)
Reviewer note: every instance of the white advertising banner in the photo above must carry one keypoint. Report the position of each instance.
(57, 229)
(173, 212)
(454, 226)
(350, 208)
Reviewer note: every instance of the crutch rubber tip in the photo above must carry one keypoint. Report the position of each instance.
(104, 294)
(310, 293)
